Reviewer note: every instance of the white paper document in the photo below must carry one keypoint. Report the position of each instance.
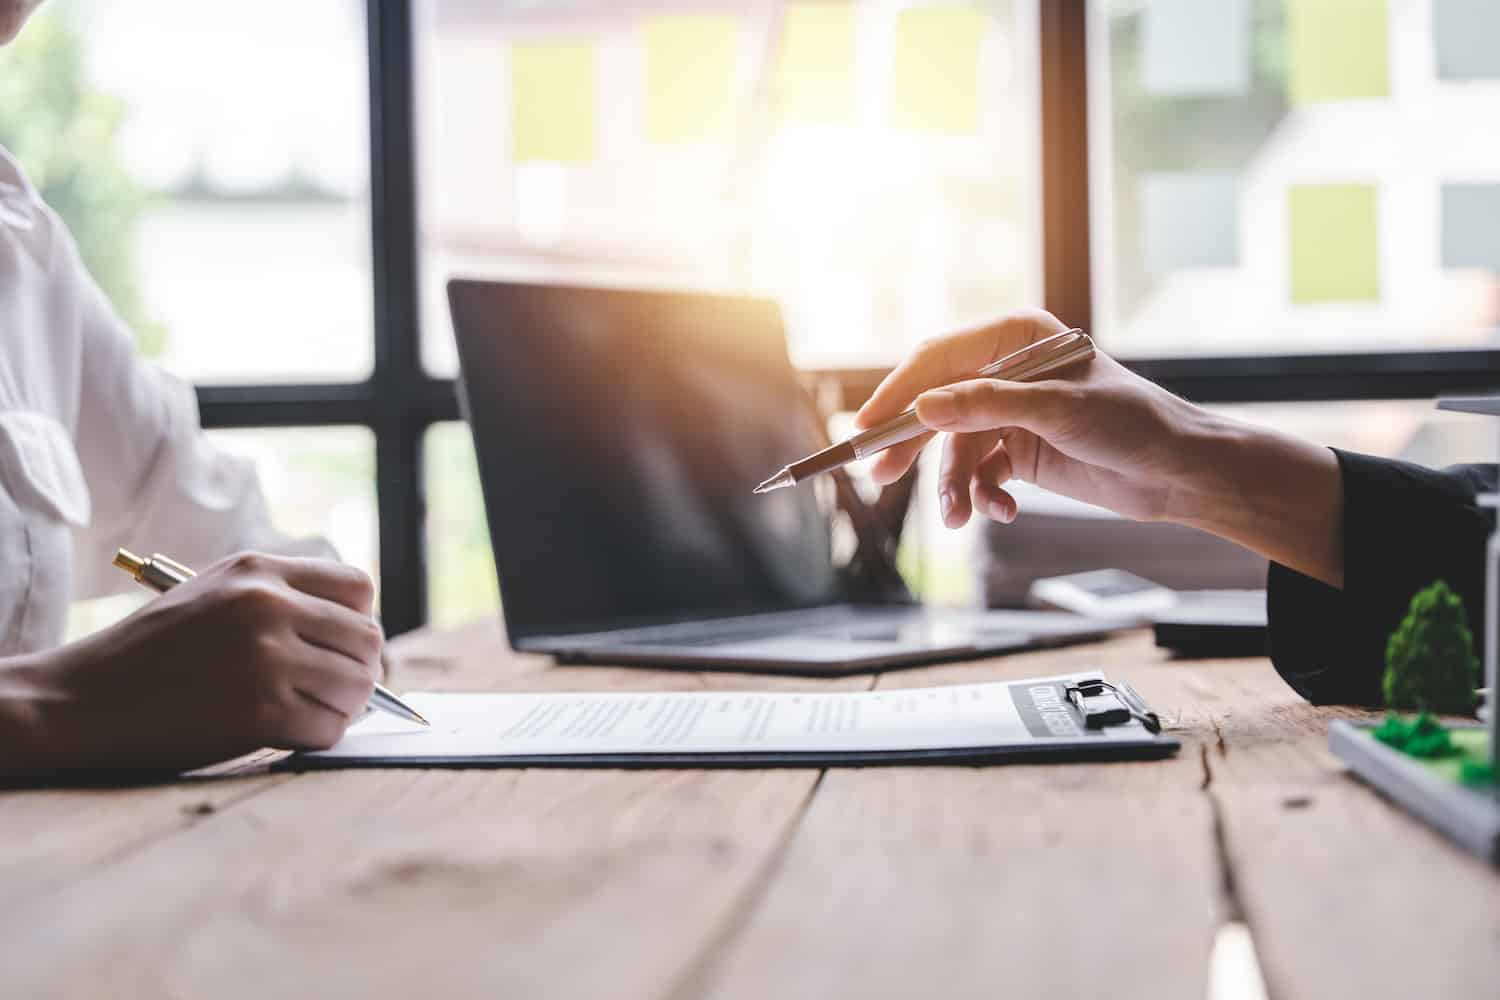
(1024, 716)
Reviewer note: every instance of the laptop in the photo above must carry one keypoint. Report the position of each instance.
(619, 434)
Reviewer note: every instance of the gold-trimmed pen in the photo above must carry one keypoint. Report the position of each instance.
(161, 574)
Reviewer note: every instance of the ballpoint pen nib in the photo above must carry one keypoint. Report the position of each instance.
(781, 480)
(408, 713)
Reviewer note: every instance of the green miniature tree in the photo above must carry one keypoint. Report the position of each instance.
(1424, 736)
(1429, 660)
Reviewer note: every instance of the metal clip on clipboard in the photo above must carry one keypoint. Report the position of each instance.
(1101, 704)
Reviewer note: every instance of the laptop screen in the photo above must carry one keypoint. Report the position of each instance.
(619, 435)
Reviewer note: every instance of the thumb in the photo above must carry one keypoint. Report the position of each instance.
(987, 403)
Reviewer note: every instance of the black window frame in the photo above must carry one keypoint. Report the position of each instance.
(400, 401)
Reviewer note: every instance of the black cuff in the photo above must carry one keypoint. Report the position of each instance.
(1404, 527)
(1315, 644)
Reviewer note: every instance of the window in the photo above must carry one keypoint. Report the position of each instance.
(461, 574)
(318, 481)
(1295, 176)
(885, 169)
(225, 210)
(223, 205)
(872, 166)
(1409, 429)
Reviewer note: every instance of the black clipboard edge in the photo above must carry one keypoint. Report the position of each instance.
(1102, 750)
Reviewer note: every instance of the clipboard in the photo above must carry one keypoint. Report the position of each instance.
(1064, 718)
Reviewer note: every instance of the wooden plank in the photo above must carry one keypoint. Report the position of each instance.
(52, 836)
(652, 884)
(1021, 880)
(1345, 895)
(456, 883)
(403, 883)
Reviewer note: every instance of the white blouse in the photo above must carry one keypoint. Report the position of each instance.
(97, 448)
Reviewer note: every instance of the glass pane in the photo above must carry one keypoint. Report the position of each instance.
(318, 481)
(213, 167)
(940, 565)
(1295, 176)
(461, 568)
(873, 166)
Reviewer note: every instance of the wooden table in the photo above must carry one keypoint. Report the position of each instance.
(1019, 881)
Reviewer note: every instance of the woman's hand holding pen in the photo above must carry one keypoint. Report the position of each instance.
(255, 651)
(1097, 435)
(1102, 434)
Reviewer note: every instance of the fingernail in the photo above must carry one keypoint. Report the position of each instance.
(937, 408)
(1001, 511)
(945, 501)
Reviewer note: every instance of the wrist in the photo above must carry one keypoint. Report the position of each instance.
(1273, 493)
(1208, 490)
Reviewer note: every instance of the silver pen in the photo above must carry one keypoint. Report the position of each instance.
(161, 574)
(1031, 362)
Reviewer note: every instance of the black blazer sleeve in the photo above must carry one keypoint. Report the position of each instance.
(1404, 527)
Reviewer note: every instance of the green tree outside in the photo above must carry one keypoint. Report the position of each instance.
(64, 133)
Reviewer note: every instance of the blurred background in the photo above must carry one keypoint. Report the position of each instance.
(1266, 179)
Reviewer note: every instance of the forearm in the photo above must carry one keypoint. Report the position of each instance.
(46, 727)
(1275, 494)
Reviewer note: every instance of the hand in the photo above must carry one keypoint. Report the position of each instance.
(1097, 432)
(255, 651)
(1101, 434)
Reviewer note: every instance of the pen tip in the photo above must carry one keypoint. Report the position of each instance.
(405, 711)
(780, 480)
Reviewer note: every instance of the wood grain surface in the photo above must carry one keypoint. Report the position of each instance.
(1078, 880)
(53, 836)
(1024, 880)
(1346, 895)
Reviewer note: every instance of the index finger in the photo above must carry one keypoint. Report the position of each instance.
(330, 580)
(944, 360)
